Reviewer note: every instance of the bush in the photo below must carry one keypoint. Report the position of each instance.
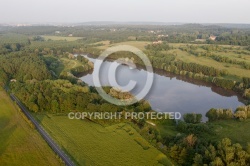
(219, 114)
(144, 144)
(246, 82)
(162, 159)
(241, 115)
(192, 118)
(239, 112)
(224, 83)
(247, 93)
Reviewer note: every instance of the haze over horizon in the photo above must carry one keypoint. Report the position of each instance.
(75, 11)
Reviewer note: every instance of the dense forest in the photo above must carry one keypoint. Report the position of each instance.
(23, 66)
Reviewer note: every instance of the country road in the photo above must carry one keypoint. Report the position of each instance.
(44, 134)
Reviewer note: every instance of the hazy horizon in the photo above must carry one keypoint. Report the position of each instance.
(164, 11)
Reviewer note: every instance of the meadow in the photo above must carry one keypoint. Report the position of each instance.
(232, 52)
(66, 38)
(138, 44)
(66, 65)
(20, 144)
(92, 144)
(237, 131)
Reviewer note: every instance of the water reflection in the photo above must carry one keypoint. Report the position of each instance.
(172, 93)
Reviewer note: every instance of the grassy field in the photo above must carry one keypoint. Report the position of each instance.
(91, 144)
(235, 130)
(139, 44)
(234, 70)
(13, 38)
(61, 38)
(167, 130)
(70, 63)
(19, 143)
(66, 65)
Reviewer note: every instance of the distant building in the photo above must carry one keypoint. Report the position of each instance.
(157, 42)
(57, 32)
(23, 25)
(70, 35)
(13, 80)
(159, 36)
(212, 37)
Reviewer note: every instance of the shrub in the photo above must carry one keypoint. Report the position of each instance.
(224, 83)
(247, 93)
(219, 114)
(162, 159)
(241, 109)
(192, 118)
(241, 115)
(143, 143)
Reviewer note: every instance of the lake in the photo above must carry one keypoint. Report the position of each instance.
(171, 93)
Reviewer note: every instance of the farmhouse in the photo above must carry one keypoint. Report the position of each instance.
(157, 42)
(212, 37)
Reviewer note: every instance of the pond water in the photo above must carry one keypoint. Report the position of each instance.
(170, 93)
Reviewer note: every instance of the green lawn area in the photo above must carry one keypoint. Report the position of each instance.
(237, 131)
(19, 143)
(235, 71)
(138, 44)
(91, 144)
(167, 130)
(67, 38)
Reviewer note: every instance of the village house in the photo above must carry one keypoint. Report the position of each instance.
(157, 42)
(159, 36)
(212, 37)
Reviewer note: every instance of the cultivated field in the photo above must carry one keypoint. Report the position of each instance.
(20, 144)
(91, 144)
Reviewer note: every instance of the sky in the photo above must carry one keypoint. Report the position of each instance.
(75, 11)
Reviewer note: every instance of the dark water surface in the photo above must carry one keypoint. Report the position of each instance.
(171, 93)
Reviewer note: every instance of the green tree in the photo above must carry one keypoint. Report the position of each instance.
(217, 162)
(198, 160)
(55, 106)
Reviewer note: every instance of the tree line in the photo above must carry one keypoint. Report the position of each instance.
(241, 113)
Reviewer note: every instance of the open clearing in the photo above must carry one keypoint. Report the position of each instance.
(61, 38)
(19, 143)
(138, 44)
(91, 144)
(70, 63)
(235, 130)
